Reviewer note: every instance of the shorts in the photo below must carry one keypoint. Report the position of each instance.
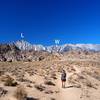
(63, 80)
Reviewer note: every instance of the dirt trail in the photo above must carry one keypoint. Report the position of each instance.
(69, 92)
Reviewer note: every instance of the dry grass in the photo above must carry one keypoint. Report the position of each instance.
(20, 93)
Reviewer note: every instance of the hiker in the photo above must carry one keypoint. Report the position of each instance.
(63, 78)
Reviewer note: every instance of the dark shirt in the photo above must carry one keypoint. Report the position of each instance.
(63, 76)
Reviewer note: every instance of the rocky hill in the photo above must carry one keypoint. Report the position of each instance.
(9, 52)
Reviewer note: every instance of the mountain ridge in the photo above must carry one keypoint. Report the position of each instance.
(24, 45)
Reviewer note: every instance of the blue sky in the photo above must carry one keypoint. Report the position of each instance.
(42, 21)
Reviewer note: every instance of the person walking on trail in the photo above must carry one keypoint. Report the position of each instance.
(63, 78)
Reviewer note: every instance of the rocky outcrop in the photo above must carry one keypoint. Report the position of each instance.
(9, 52)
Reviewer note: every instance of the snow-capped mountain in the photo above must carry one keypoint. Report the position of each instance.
(88, 47)
(24, 45)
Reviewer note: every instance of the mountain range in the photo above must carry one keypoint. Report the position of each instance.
(25, 51)
(24, 45)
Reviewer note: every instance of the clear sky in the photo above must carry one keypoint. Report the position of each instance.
(42, 21)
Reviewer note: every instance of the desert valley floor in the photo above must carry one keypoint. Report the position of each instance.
(40, 80)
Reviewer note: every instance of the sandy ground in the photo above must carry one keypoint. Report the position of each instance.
(70, 92)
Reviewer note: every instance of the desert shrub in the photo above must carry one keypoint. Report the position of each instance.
(94, 74)
(39, 87)
(53, 76)
(49, 83)
(89, 84)
(1, 73)
(3, 92)
(41, 58)
(49, 92)
(10, 82)
(53, 99)
(20, 93)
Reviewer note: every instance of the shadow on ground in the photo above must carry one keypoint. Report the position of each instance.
(69, 86)
(31, 98)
